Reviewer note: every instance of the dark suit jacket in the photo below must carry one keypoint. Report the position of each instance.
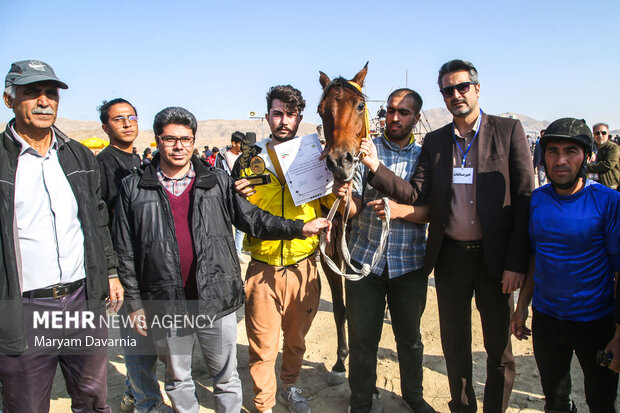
(504, 184)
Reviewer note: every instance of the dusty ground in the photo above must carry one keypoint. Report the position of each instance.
(320, 356)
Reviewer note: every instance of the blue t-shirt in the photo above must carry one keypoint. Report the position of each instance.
(576, 242)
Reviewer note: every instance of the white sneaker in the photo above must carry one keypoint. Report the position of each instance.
(294, 400)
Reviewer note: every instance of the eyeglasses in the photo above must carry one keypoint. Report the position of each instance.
(121, 119)
(462, 88)
(171, 141)
(600, 132)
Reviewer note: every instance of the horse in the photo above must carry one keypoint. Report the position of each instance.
(343, 111)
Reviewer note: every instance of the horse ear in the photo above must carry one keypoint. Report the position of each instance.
(360, 76)
(323, 79)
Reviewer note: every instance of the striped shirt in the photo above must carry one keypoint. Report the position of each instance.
(176, 186)
(406, 241)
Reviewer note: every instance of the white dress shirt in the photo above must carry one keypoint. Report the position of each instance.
(49, 232)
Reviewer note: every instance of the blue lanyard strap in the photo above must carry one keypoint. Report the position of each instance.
(470, 144)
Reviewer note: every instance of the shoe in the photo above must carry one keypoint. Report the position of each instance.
(294, 400)
(375, 408)
(161, 407)
(420, 406)
(127, 403)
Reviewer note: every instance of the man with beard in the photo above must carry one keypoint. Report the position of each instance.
(575, 250)
(607, 166)
(282, 284)
(476, 175)
(56, 250)
(399, 274)
(119, 120)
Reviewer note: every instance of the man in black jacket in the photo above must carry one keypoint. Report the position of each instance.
(56, 250)
(173, 235)
(119, 120)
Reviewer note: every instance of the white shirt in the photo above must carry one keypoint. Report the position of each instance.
(49, 232)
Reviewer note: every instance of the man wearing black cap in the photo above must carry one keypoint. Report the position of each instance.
(56, 251)
(575, 249)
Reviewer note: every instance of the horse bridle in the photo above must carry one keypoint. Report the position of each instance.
(343, 247)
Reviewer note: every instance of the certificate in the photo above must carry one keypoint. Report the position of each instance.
(306, 176)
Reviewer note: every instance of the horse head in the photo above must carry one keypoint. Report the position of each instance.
(345, 122)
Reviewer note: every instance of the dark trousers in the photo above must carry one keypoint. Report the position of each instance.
(27, 379)
(460, 274)
(366, 299)
(554, 342)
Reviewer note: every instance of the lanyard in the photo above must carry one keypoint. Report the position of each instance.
(470, 144)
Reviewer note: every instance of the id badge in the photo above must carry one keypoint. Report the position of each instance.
(463, 176)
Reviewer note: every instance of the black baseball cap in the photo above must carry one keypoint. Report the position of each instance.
(26, 72)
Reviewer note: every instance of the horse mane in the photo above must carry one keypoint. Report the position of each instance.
(342, 83)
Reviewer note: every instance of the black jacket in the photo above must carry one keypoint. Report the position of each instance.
(145, 241)
(82, 171)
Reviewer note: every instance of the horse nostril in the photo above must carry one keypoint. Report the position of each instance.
(331, 164)
(348, 157)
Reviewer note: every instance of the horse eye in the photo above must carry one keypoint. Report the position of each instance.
(360, 107)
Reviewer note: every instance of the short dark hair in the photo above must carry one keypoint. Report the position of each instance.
(104, 109)
(215, 149)
(457, 65)
(237, 136)
(291, 98)
(147, 151)
(408, 93)
(174, 115)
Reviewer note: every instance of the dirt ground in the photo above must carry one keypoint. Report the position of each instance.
(320, 356)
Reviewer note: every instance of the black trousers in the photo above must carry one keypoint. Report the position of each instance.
(460, 274)
(554, 342)
(366, 298)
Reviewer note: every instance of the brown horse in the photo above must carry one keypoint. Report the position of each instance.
(342, 109)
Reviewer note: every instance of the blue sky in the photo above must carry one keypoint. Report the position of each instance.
(545, 59)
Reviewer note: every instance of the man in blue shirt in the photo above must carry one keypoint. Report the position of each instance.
(574, 231)
(398, 275)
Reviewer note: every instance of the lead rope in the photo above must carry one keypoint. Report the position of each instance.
(344, 249)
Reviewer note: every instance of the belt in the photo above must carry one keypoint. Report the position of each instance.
(57, 291)
(466, 245)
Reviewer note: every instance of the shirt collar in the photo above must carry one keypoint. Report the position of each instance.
(395, 147)
(474, 130)
(189, 174)
(25, 147)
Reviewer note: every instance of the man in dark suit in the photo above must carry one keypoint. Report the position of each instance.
(476, 174)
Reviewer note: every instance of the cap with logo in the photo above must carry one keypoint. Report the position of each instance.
(26, 72)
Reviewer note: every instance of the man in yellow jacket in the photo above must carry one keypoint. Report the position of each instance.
(282, 284)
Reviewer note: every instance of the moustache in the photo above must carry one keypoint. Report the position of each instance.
(43, 111)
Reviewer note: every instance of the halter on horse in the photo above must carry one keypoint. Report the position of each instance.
(345, 122)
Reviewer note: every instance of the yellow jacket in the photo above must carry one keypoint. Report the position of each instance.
(276, 198)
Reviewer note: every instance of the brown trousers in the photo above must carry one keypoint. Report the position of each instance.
(278, 297)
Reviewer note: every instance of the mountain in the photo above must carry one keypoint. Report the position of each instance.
(440, 116)
(215, 132)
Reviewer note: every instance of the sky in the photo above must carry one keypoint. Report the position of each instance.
(543, 59)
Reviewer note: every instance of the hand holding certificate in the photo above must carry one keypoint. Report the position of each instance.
(306, 176)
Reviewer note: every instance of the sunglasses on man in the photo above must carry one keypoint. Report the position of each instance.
(462, 88)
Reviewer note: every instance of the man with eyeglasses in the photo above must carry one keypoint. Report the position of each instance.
(119, 120)
(57, 256)
(177, 260)
(606, 165)
(476, 174)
